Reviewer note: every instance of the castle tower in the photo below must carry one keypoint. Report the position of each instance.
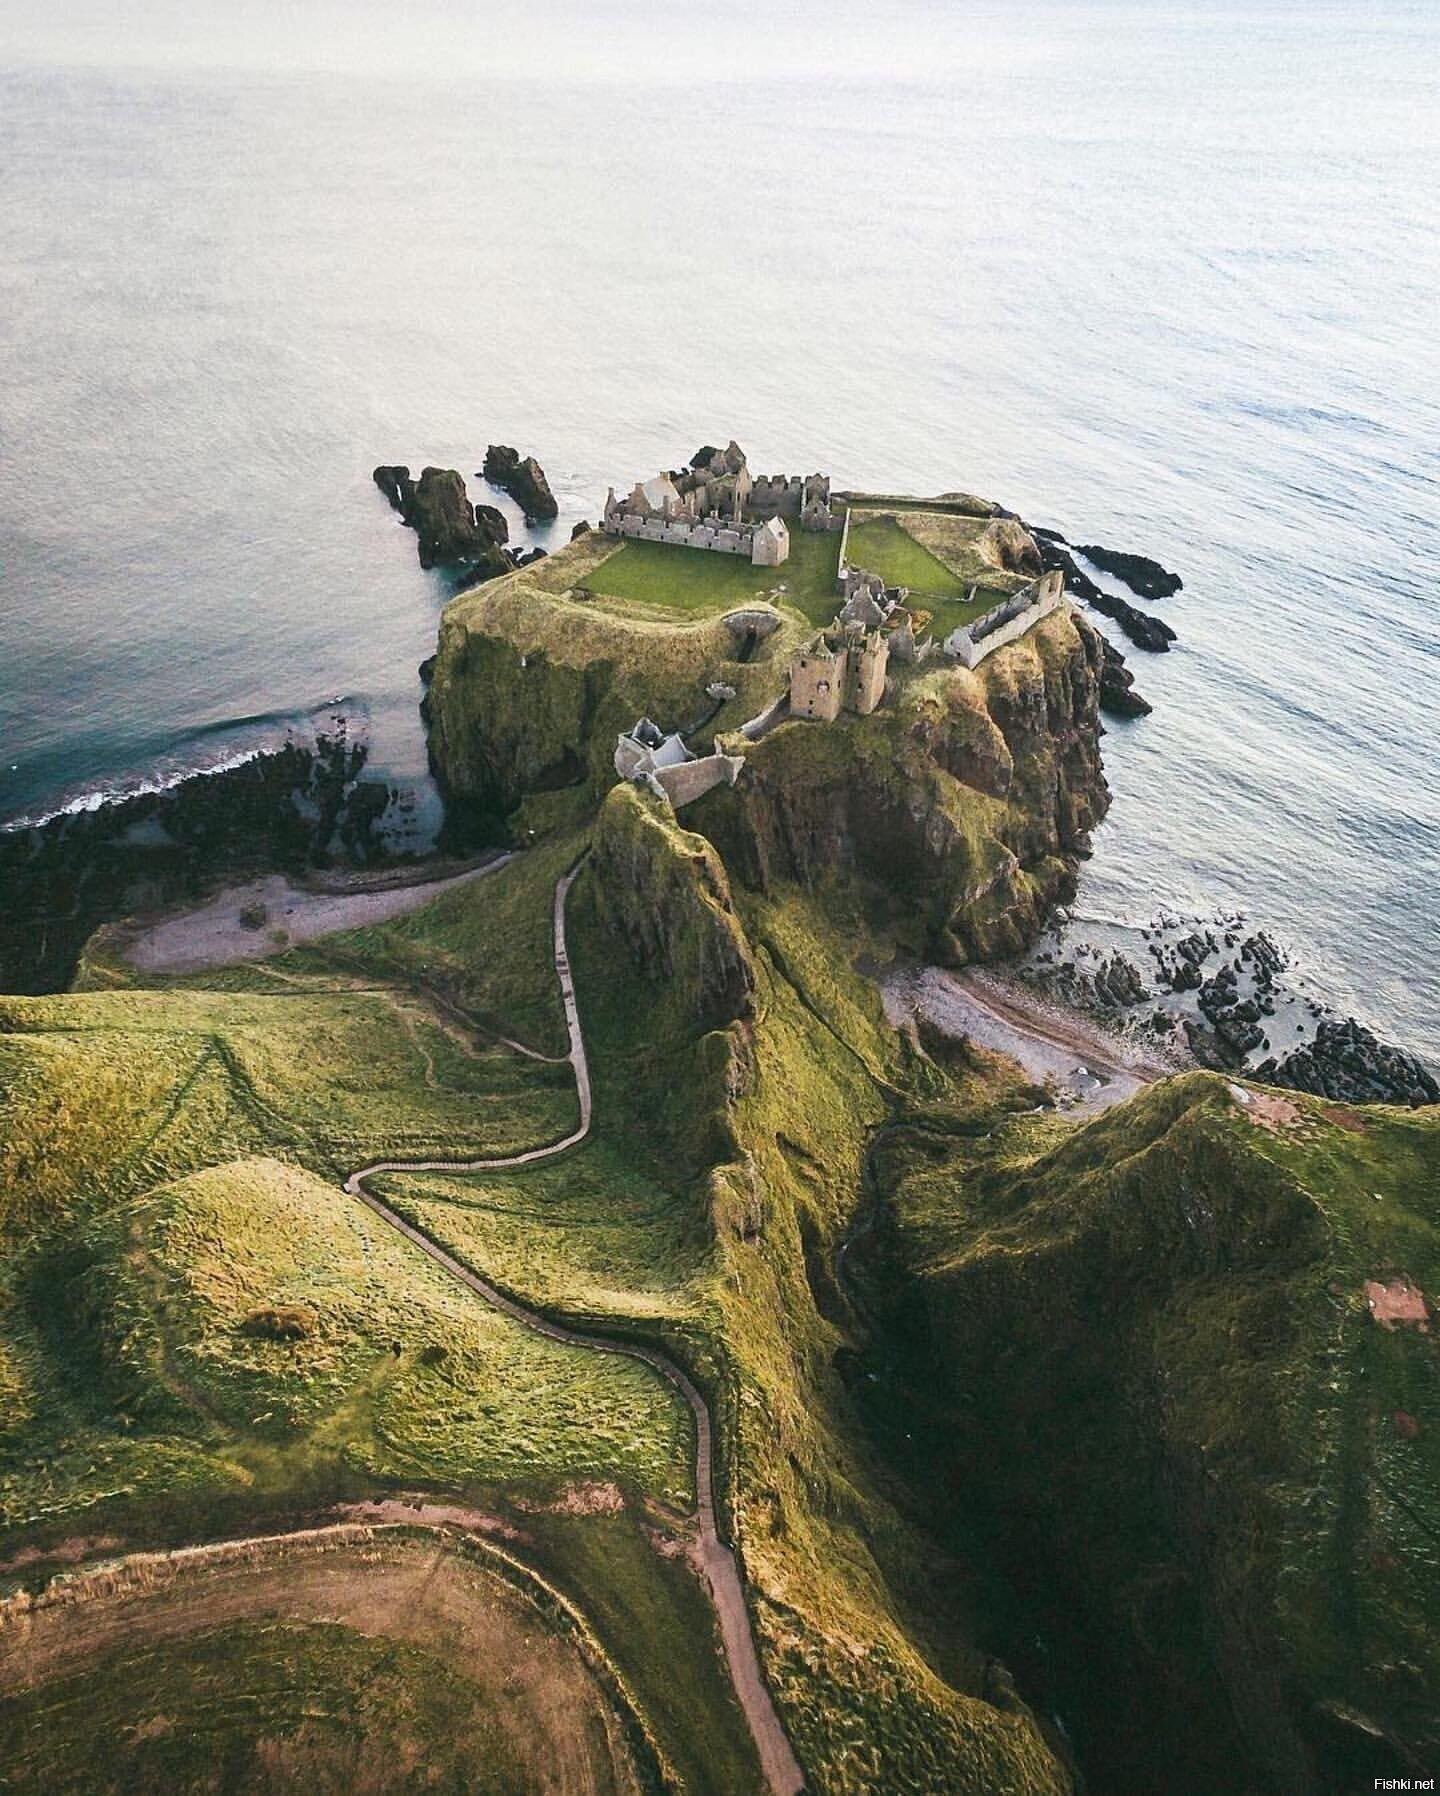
(818, 681)
(866, 660)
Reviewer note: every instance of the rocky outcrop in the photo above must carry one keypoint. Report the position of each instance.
(1145, 631)
(1006, 544)
(1118, 697)
(1348, 1062)
(533, 683)
(963, 804)
(524, 480)
(664, 893)
(1139, 572)
(451, 531)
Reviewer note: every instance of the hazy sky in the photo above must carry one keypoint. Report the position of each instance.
(748, 39)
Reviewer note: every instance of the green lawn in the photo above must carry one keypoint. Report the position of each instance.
(885, 547)
(697, 581)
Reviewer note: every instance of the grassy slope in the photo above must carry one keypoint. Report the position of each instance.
(939, 574)
(376, 1663)
(158, 1169)
(1193, 1406)
(155, 1204)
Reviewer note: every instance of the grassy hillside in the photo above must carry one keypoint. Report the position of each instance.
(1159, 1373)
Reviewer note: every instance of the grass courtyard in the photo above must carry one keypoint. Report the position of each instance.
(884, 546)
(696, 582)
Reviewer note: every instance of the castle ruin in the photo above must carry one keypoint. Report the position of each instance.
(717, 504)
(840, 669)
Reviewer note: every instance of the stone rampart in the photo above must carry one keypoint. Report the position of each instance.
(689, 780)
(1007, 621)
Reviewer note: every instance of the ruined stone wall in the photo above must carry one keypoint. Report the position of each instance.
(1007, 622)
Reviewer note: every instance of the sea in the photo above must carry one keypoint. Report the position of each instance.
(1162, 276)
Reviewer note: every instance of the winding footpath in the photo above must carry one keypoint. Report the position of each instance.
(714, 1558)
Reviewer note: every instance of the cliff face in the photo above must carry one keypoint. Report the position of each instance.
(664, 893)
(530, 689)
(1156, 1364)
(964, 801)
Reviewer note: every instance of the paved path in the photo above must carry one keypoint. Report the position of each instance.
(715, 1559)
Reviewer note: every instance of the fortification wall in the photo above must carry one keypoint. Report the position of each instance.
(689, 780)
(1008, 621)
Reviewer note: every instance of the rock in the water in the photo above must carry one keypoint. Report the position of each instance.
(398, 488)
(1118, 697)
(1349, 1063)
(524, 480)
(1145, 631)
(451, 530)
(1139, 572)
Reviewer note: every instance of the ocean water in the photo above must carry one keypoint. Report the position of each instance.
(1163, 276)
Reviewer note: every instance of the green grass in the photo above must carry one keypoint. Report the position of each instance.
(696, 581)
(883, 546)
(1179, 1294)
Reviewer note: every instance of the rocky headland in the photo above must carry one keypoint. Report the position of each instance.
(1056, 1450)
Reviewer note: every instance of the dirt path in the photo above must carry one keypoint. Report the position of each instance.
(714, 1559)
(194, 941)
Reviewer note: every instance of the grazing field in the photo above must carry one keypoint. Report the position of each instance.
(695, 580)
(353, 1670)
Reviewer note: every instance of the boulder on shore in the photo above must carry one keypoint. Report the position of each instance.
(450, 529)
(524, 480)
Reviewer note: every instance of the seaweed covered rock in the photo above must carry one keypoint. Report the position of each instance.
(1139, 572)
(1143, 629)
(524, 480)
(1118, 697)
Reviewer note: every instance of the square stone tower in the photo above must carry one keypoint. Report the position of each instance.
(818, 679)
(867, 658)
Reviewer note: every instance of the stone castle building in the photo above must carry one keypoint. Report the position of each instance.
(719, 505)
(842, 668)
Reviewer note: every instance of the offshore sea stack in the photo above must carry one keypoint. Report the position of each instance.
(451, 531)
(524, 480)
